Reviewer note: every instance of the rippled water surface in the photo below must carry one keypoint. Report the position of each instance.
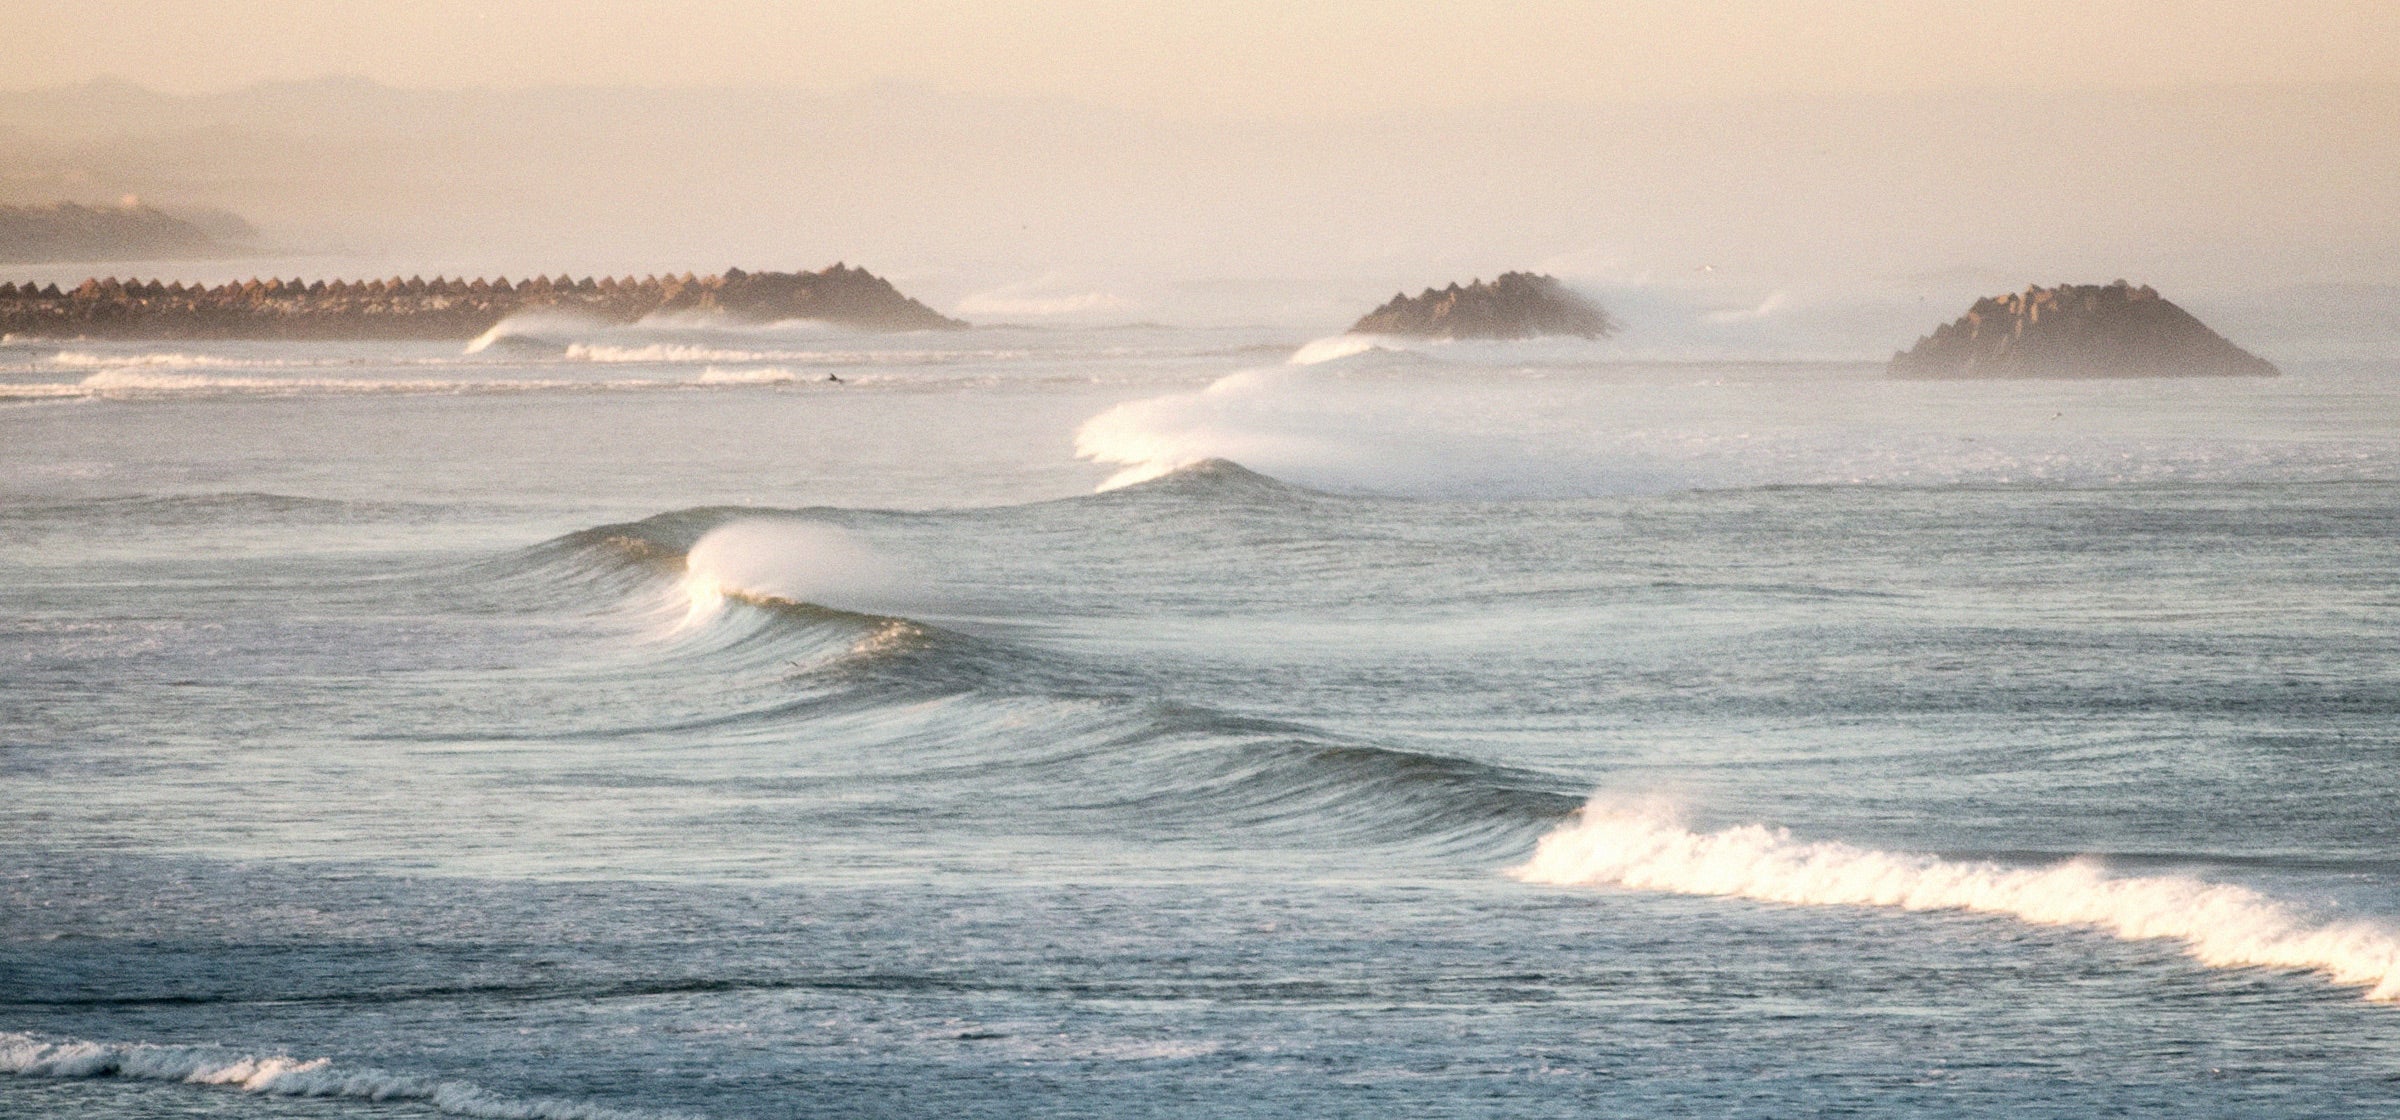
(1163, 722)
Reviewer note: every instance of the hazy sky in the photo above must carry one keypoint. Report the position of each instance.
(1232, 57)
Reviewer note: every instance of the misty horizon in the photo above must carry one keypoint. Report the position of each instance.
(1837, 213)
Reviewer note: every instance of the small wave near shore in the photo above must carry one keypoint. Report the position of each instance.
(279, 1075)
(1644, 847)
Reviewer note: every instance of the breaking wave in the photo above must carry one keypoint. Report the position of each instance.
(2219, 925)
(787, 560)
(850, 630)
(278, 1075)
(1345, 416)
(1337, 347)
(533, 332)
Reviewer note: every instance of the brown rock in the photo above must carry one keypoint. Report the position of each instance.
(2078, 331)
(1516, 305)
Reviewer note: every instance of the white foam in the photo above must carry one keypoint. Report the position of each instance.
(762, 375)
(1157, 436)
(1644, 847)
(144, 383)
(79, 359)
(533, 327)
(665, 352)
(43, 390)
(1339, 346)
(25, 1055)
(689, 353)
(1394, 424)
(126, 383)
(788, 560)
(1357, 431)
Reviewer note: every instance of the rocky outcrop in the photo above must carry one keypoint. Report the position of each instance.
(1517, 305)
(2077, 330)
(64, 231)
(440, 308)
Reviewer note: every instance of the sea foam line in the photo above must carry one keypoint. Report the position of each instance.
(77, 359)
(2220, 925)
(121, 384)
(25, 1055)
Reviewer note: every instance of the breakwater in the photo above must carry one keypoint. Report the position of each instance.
(447, 308)
(2077, 330)
(1517, 305)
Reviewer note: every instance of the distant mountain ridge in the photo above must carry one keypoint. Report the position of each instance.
(66, 231)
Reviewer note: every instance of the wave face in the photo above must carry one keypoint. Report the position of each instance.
(2220, 925)
(1071, 741)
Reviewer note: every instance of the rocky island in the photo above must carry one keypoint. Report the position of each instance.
(439, 308)
(2077, 330)
(1517, 305)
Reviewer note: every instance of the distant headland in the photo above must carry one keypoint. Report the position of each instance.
(1516, 305)
(65, 231)
(2077, 330)
(440, 308)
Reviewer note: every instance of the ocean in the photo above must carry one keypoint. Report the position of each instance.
(1145, 721)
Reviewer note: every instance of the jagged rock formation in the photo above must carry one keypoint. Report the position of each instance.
(447, 309)
(64, 231)
(1517, 305)
(2077, 330)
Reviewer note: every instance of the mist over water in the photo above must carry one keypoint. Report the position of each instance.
(1836, 226)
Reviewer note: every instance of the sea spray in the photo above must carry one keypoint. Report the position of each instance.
(534, 332)
(1402, 425)
(1644, 847)
(771, 559)
(1340, 346)
(1157, 436)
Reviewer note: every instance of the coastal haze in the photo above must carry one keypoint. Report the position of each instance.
(1492, 560)
(1794, 186)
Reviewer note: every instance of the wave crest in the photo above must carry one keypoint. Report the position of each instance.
(2220, 925)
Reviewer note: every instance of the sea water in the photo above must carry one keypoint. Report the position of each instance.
(1154, 722)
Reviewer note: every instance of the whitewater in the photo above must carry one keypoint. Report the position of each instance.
(670, 720)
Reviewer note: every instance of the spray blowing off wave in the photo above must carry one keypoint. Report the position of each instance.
(2222, 926)
(276, 1075)
(1339, 346)
(533, 332)
(791, 561)
(1362, 420)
